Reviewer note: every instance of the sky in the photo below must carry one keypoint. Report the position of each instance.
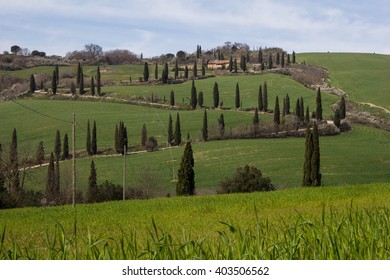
(167, 26)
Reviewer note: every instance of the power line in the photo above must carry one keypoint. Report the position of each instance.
(40, 113)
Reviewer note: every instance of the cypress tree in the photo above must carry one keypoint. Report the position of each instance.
(177, 136)
(57, 74)
(216, 95)
(306, 181)
(342, 108)
(32, 84)
(81, 86)
(156, 72)
(284, 108)
(270, 62)
(98, 82)
(205, 131)
(243, 63)
(146, 72)
(194, 97)
(260, 99)
(57, 144)
(221, 124)
(54, 83)
(14, 164)
(94, 139)
(116, 139)
(195, 70)
(256, 118)
(57, 180)
(277, 58)
(50, 180)
(40, 155)
(237, 96)
(307, 116)
(65, 151)
(319, 106)
(293, 57)
(124, 139)
(337, 118)
(203, 69)
(235, 68)
(265, 97)
(288, 59)
(92, 191)
(144, 136)
(92, 87)
(72, 88)
(315, 160)
(172, 98)
(277, 112)
(200, 99)
(170, 131)
(298, 110)
(231, 64)
(186, 72)
(302, 109)
(176, 69)
(282, 60)
(260, 58)
(78, 74)
(287, 105)
(186, 175)
(165, 74)
(88, 142)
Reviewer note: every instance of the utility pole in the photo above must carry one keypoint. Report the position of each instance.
(124, 172)
(74, 160)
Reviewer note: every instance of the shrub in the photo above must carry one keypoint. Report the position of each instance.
(246, 179)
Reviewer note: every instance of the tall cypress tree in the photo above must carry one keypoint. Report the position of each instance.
(270, 62)
(98, 82)
(307, 116)
(65, 151)
(203, 69)
(195, 70)
(287, 104)
(231, 64)
(315, 160)
(14, 164)
(177, 136)
(57, 74)
(144, 136)
(57, 144)
(200, 99)
(57, 179)
(260, 58)
(40, 155)
(54, 83)
(243, 63)
(81, 86)
(186, 72)
(194, 97)
(235, 67)
(277, 58)
(170, 131)
(306, 181)
(282, 60)
(265, 97)
(50, 180)
(221, 124)
(92, 86)
(94, 139)
(92, 190)
(172, 98)
(298, 110)
(342, 108)
(186, 175)
(32, 84)
(237, 96)
(165, 74)
(205, 131)
(302, 109)
(319, 106)
(293, 57)
(88, 142)
(146, 72)
(277, 112)
(260, 99)
(78, 74)
(216, 95)
(176, 69)
(116, 138)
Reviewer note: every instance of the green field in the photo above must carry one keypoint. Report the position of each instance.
(364, 77)
(351, 222)
(359, 156)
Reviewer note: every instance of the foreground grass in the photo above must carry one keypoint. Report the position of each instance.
(350, 222)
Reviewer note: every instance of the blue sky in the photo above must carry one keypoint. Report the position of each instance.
(162, 26)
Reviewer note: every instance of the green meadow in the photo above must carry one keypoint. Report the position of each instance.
(349, 222)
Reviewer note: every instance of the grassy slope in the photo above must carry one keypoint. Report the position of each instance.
(199, 217)
(359, 156)
(364, 77)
